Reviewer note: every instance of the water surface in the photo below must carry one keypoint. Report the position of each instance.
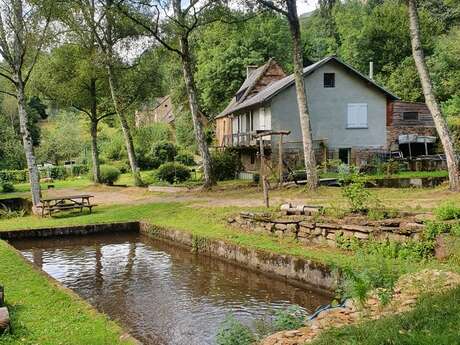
(162, 294)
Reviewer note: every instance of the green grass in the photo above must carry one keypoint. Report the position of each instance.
(43, 313)
(209, 222)
(434, 321)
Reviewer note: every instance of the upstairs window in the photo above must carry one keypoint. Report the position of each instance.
(329, 79)
(410, 116)
(357, 115)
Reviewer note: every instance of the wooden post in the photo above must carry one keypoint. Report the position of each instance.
(410, 151)
(265, 183)
(262, 159)
(263, 178)
(426, 146)
(280, 160)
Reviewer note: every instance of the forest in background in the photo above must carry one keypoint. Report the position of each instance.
(358, 32)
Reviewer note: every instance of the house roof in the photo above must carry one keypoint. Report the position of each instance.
(276, 87)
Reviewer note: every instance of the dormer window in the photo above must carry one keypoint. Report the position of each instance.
(239, 95)
(329, 80)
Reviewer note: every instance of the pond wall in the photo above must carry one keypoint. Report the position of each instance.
(297, 270)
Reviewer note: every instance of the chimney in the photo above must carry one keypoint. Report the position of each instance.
(250, 69)
(371, 70)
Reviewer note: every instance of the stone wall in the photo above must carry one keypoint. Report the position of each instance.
(321, 230)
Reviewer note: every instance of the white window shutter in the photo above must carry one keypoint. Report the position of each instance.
(357, 115)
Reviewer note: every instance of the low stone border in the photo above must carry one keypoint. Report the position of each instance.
(314, 229)
(70, 230)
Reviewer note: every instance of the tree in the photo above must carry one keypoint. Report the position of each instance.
(23, 31)
(430, 98)
(224, 50)
(183, 22)
(289, 9)
(72, 76)
(101, 20)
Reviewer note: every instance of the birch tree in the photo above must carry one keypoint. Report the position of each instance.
(99, 17)
(430, 98)
(23, 30)
(288, 8)
(181, 23)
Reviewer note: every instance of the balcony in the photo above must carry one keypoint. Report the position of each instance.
(244, 140)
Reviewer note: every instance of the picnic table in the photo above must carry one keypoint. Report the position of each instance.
(62, 203)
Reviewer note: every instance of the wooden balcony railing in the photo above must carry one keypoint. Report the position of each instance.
(242, 140)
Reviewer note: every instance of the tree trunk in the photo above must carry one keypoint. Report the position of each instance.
(194, 109)
(302, 101)
(34, 177)
(95, 153)
(126, 130)
(430, 98)
(93, 130)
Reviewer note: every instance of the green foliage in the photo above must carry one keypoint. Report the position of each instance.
(357, 196)
(109, 174)
(291, 318)
(233, 332)
(173, 172)
(14, 176)
(164, 151)
(225, 165)
(11, 149)
(376, 273)
(6, 213)
(435, 320)
(7, 187)
(447, 211)
(62, 139)
(185, 158)
(146, 140)
(224, 50)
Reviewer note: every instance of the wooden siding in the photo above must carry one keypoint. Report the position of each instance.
(400, 107)
(223, 129)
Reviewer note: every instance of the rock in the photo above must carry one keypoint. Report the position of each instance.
(359, 228)
(279, 233)
(291, 228)
(4, 319)
(331, 236)
(2, 296)
(328, 225)
(411, 227)
(230, 220)
(280, 226)
(308, 225)
(361, 236)
(423, 218)
(441, 250)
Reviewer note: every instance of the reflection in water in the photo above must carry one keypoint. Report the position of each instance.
(161, 293)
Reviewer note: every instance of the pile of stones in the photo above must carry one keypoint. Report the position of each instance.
(407, 290)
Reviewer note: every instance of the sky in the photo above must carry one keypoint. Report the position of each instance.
(304, 6)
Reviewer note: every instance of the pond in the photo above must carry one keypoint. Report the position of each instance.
(161, 293)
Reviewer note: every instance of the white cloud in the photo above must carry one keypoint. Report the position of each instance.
(304, 6)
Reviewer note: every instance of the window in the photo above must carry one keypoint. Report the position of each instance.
(357, 115)
(410, 115)
(329, 79)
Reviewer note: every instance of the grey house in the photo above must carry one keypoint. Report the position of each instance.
(349, 113)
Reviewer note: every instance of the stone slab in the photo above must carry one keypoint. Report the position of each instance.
(4, 319)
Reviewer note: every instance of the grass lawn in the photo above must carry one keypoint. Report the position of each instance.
(43, 313)
(434, 321)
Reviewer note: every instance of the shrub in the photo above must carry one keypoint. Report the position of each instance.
(233, 332)
(291, 318)
(185, 158)
(164, 151)
(173, 172)
(225, 165)
(357, 196)
(109, 174)
(14, 176)
(7, 187)
(447, 211)
(122, 165)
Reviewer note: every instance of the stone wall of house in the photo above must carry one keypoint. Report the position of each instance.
(319, 230)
